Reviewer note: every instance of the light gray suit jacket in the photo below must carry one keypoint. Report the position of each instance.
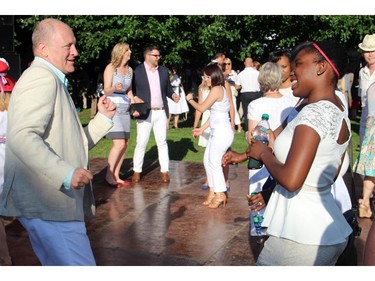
(45, 139)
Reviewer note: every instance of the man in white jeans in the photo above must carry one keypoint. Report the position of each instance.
(151, 84)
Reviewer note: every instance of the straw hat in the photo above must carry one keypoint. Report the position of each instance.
(6, 82)
(368, 44)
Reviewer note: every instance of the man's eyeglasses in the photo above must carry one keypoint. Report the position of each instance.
(154, 55)
(226, 63)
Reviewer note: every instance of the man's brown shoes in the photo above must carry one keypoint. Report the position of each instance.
(136, 177)
(165, 177)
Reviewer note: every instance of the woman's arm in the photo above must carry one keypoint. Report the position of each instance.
(293, 173)
(107, 77)
(231, 104)
(130, 91)
(216, 94)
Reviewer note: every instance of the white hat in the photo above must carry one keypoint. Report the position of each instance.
(368, 44)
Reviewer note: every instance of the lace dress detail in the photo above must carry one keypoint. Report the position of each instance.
(310, 214)
(313, 118)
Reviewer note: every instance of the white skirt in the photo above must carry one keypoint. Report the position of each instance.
(178, 107)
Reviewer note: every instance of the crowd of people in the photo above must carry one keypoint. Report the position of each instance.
(299, 190)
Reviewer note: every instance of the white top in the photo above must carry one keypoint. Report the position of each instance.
(219, 112)
(3, 133)
(3, 123)
(339, 189)
(248, 80)
(289, 93)
(278, 109)
(310, 215)
(371, 100)
(365, 80)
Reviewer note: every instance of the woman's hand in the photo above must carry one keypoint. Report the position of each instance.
(256, 202)
(257, 148)
(197, 132)
(189, 96)
(118, 86)
(233, 157)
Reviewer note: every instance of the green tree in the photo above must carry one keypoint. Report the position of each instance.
(194, 39)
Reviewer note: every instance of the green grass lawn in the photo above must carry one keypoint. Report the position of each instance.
(182, 146)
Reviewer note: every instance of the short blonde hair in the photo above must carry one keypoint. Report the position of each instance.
(118, 52)
(270, 77)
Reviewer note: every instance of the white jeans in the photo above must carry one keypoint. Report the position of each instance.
(218, 143)
(157, 121)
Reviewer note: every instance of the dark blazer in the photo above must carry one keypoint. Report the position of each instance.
(141, 87)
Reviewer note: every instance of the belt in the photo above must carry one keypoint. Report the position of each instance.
(157, 108)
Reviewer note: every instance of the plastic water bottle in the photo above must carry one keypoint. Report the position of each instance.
(257, 220)
(260, 133)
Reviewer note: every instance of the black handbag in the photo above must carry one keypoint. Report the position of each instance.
(140, 107)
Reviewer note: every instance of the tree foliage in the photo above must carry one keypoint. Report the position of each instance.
(194, 39)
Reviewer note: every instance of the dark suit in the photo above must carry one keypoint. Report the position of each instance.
(141, 87)
(155, 119)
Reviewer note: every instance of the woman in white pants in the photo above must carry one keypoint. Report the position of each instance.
(221, 134)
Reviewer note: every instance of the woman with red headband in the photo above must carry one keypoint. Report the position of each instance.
(6, 87)
(304, 224)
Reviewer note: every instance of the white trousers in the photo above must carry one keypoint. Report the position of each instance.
(157, 122)
(218, 143)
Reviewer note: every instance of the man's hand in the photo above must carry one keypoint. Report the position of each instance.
(80, 178)
(106, 107)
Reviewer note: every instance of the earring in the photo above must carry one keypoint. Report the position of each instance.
(318, 73)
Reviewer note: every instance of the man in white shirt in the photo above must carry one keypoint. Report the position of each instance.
(366, 78)
(247, 81)
(152, 85)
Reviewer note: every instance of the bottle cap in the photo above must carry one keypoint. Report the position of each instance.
(265, 116)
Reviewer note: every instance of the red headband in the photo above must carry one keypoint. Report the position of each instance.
(327, 59)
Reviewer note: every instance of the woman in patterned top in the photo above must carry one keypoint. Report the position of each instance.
(117, 87)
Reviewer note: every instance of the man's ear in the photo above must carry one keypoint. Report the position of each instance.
(42, 49)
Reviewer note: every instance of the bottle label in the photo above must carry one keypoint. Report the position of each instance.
(263, 139)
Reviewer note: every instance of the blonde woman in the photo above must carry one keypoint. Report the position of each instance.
(231, 76)
(117, 87)
(203, 91)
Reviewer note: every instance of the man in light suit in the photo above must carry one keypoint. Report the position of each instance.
(151, 84)
(47, 182)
